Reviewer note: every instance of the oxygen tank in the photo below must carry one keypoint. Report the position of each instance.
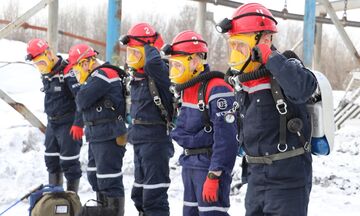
(320, 108)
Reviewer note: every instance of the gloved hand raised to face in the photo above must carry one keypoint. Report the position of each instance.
(210, 190)
(260, 53)
(76, 132)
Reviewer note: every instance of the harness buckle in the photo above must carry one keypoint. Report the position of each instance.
(208, 129)
(61, 78)
(307, 147)
(201, 105)
(281, 106)
(282, 147)
(99, 109)
(157, 100)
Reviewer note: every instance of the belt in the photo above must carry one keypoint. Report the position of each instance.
(268, 159)
(141, 122)
(102, 121)
(196, 151)
(55, 118)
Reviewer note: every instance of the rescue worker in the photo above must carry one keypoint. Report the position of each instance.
(151, 108)
(275, 128)
(64, 131)
(101, 100)
(209, 142)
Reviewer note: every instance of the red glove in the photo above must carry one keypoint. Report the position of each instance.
(210, 190)
(260, 53)
(76, 132)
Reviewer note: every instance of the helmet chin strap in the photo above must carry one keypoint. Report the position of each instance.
(257, 38)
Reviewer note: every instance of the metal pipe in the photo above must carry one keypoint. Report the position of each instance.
(20, 20)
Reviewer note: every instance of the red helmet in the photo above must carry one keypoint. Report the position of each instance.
(189, 42)
(140, 34)
(36, 47)
(252, 17)
(80, 51)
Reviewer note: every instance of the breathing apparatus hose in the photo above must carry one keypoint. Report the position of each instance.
(200, 78)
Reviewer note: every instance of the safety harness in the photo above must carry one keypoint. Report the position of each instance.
(107, 103)
(154, 92)
(294, 125)
(204, 80)
(286, 122)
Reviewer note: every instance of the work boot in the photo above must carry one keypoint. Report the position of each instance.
(73, 185)
(56, 179)
(117, 204)
(100, 197)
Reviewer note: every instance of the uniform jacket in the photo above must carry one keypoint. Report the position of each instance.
(142, 105)
(60, 90)
(259, 128)
(103, 84)
(189, 132)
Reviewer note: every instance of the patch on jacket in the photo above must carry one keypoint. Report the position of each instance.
(57, 88)
(221, 104)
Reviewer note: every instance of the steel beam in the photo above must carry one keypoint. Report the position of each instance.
(20, 20)
(278, 14)
(338, 6)
(340, 29)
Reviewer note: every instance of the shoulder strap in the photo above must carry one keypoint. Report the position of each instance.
(202, 105)
(287, 121)
(157, 100)
(118, 70)
(281, 106)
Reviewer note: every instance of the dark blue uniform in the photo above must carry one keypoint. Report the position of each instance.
(283, 187)
(190, 134)
(148, 133)
(104, 123)
(61, 151)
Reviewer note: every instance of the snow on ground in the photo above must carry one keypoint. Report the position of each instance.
(336, 178)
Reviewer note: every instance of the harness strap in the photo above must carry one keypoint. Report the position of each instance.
(58, 117)
(157, 100)
(198, 151)
(281, 106)
(202, 106)
(141, 122)
(274, 157)
(102, 121)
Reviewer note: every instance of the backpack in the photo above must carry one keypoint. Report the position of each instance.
(54, 201)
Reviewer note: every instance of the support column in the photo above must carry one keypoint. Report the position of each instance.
(113, 32)
(309, 32)
(201, 19)
(53, 22)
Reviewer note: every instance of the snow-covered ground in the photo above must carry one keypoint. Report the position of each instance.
(336, 181)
